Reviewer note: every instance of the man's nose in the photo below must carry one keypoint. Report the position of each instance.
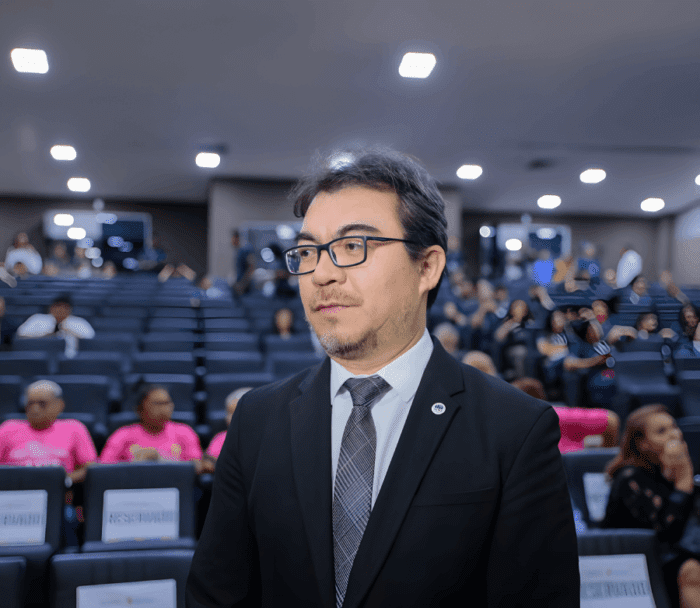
(326, 271)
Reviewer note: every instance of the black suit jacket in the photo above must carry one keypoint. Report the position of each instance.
(474, 509)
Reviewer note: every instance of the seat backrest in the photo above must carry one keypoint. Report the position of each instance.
(622, 543)
(51, 345)
(226, 341)
(218, 386)
(50, 483)
(223, 362)
(586, 480)
(26, 364)
(12, 581)
(85, 393)
(11, 391)
(149, 510)
(163, 363)
(70, 572)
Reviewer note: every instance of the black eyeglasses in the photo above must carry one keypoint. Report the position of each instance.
(344, 252)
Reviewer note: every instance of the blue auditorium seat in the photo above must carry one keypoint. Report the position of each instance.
(690, 427)
(218, 386)
(161, 341)
(50, 345)
(50, 480)
(226, 325)
(88, 394)
(68, 572)
(222, 362)
(295, 343)
(685, 362)
(11, 392)
(689, 382)
(13, 572)
(214, 310)
(134, 312)
(171, 324)
(577, 465)
(125, 418)
(163, 363)
(112, 364)
(26, 363)
(245, 342)
(132, 325)
(174, 312)
(123, 342)
(284, 364)
(140, 476)
(628, 542)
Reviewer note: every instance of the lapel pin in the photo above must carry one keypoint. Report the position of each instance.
(438, 408)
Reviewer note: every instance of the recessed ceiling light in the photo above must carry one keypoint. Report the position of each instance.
(61, 152)
(63, 219)
(653, 204)
(514, 244)
(33, 61)
(485, 231)
(469, 171)
(697, 180)
(592, 176)
(76, 233)
(208, 160)
(549, 201)
(417, 65)
(79, 184)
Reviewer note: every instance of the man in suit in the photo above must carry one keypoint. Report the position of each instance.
(390, 475)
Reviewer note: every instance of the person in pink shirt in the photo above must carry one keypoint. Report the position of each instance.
(217, 442)
(156, 437)
(42, 440)
(576, 423)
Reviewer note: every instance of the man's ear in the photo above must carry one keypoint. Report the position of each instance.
(432, 264)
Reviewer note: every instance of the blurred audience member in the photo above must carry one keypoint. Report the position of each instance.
(484, 319)
(500, 294)
(554, 346)
(690, 347)
(639, 294)
(61, 260)
(284, 322)
(109, 270)
(208, 289)
(512, 335)
(480, 361)
(448, 335)
(217, 442)
(629, 267)
(577, 423)
(653, 487)
(244, 264)
(42, 440)
(60, 322)
(8, 327)
(610, 278)
(588, 263)
(156, 437)
(22, 258)
(590, 354)
(666, 281)
(688, 317)
(172, 271)
(647, 326)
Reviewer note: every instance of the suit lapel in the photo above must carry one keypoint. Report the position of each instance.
(420, 438)
(310, 418)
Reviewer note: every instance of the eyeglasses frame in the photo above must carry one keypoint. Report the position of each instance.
(326, 247)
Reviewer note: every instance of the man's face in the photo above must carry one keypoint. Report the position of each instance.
(60, 311)
(378, 307)
(42, 407)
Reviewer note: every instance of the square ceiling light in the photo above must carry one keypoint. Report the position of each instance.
(417, 65)
(32, 61)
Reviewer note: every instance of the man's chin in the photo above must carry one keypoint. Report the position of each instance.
(345, 346)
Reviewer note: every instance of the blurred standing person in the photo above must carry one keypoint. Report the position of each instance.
(653, 487)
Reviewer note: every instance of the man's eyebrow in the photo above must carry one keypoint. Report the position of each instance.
(342, 231)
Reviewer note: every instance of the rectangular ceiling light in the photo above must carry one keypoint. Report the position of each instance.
(33, 61)
(417, 65)
(61, 152)
(79, 184)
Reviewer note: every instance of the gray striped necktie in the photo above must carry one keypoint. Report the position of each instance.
(352, 498)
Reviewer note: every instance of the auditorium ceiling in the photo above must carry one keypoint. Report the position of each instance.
(534, 92)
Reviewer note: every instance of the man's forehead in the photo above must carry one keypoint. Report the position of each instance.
(41, 392)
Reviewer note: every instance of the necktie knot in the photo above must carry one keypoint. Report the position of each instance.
(364, 391)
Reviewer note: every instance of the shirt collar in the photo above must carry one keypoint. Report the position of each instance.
(403, 374)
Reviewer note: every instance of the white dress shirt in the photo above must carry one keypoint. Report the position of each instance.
(71, 329)
(389, 413)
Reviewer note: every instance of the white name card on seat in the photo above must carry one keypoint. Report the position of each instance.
(140, 514)
(596, 486)
(23, 517)
(154, 594)
(615, 581)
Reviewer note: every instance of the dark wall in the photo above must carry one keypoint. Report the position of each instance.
(181, 228)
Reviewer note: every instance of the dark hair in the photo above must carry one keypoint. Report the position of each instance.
(64, 298)
(509, 315)
(421, 207)
(581, 329)
(635, 431)
(145, 391)
(643, 315)
(681, 318)
(550, 317)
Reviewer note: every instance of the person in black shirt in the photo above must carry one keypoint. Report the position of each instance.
(653, 487)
